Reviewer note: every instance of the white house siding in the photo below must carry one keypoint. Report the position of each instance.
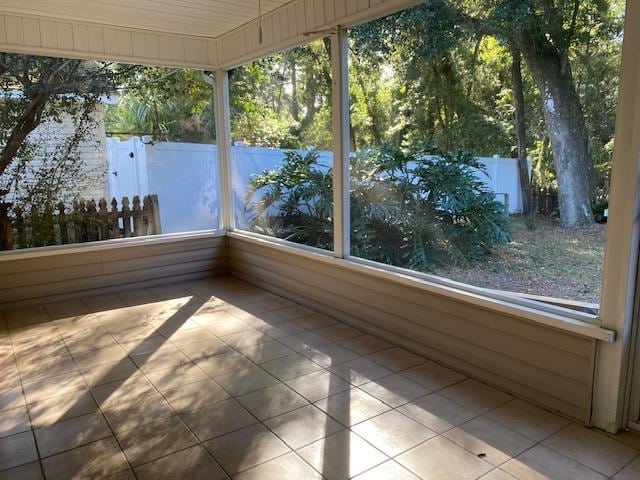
(92, 152)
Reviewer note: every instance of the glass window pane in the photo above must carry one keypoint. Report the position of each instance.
(104, 151)
(281, 157)
(483, 136)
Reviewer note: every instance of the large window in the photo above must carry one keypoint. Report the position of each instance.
(482, 135)
(281, 158)
(96, 151)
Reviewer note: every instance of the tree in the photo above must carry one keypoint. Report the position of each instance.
(521, 132)
(38, 89)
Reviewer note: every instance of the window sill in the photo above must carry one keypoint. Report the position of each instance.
(40, 252)
(575, 322)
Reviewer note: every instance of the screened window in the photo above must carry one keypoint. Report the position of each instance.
(103, 151)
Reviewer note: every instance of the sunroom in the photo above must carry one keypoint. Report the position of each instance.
(372, 239)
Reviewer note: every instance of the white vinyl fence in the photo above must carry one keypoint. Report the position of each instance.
(185, 178)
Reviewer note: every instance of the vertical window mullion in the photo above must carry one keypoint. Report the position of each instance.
(341, 141)
(223, 135)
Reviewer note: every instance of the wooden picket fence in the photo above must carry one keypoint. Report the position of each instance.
(87, 222)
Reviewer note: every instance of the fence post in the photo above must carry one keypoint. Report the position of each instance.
(103, 220)
(138, 222)
(114, 225)
(155, 212)
(62, 221)
(126, 217)
(91, 216)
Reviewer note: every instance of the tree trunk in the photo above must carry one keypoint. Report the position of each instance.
(295, 106)
(521, 133)
(26, 124)
(566, 127)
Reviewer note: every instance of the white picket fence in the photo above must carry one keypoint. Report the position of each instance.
(185, 178)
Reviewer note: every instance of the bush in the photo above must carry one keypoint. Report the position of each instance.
(408, 208)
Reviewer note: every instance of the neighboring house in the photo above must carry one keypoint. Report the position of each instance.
(95, 182)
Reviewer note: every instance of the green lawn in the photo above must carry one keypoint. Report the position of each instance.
(547, 261)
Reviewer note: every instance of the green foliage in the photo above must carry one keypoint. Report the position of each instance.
(171, 104)
(408, 208)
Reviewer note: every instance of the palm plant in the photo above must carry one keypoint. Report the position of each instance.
(409, 207)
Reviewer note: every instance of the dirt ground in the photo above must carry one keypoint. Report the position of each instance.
(546, 260)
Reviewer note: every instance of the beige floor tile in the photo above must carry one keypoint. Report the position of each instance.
(289, 466)
(133, 334)
(498, 474)
(476, 396)
(318, 385)
(83, 344)
(25, 317)
(168, 378)
(56, 409)
(11, 398)
(205, 348)
(42, 352)
(541, 463)
(71, 433)
(493, 442)
(342, 455)
(17, 450)
(387, 471)
(246, 380)
(289, 367)
(112, 354)
(100, 459)
(328, 355)
(155, 440)
(32, 371)
(109, 372)
(396, 359)
(265, 352)
(593, 449)
(272, 401)
(281, 329)
(193, 464)
(315, 320)
(360, 370)
(527, 419)
(14, 421)
(128, 389)
(436, 412)
(246, 338)
(218, 419)
(217, 365)
(191, 335)
(303, 426)
(630, 472)
(225, 327)
(147, 345)
(352, 406)
(294, 312)
(137, 412)
(394, 390)
(103, 302)
(29, 471)
(393, 433)
(338, 332)
(440, 458)
(433, 376)
(165, 357)
(9, 380)
(66, 309)
(304, 340)
(195, 395)
(54, 386)
(246, 448)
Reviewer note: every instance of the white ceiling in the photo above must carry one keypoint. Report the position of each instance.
(209, 18)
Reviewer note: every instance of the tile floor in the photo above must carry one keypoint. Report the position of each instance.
(217, 379)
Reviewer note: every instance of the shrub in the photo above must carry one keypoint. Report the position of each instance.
(408, 208)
